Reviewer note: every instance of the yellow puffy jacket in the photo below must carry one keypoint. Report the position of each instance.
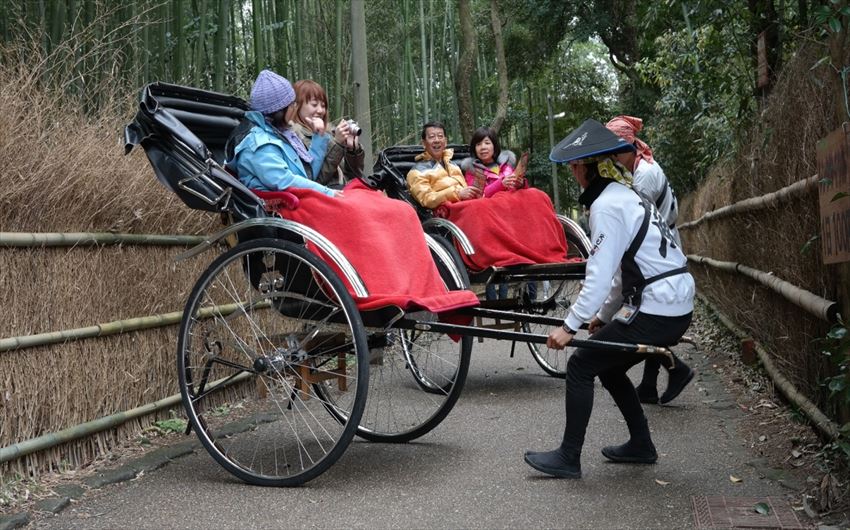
(431, 184)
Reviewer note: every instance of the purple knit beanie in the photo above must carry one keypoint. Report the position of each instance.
(271, 93)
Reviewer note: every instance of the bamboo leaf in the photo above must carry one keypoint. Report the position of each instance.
(807, 246)
(835, 24)
(820, 61)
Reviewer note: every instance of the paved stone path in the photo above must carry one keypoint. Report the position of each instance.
(469, 472)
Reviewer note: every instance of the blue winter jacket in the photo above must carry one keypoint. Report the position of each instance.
(265, 161)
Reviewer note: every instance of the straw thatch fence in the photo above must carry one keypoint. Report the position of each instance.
(65, 171)
(754, 222)
(51, 387)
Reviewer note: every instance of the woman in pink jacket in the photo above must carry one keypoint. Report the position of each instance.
(491, 170)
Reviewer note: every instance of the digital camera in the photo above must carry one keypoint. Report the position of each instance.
(354, 127)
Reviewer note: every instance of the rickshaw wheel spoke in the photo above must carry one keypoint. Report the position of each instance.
(266, 324)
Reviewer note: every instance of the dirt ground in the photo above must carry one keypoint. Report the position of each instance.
(775, 432)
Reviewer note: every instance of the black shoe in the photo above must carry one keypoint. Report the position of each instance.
(647, 394)
(555, 463)
(679, 379)
(631, 453)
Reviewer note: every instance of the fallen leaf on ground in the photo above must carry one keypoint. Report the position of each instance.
(762, 508)
(661, 482)
(735, 479)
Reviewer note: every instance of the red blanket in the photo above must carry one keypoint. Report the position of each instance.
(384, 242)
(509, 228)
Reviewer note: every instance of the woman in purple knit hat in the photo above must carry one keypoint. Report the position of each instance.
(264, 152)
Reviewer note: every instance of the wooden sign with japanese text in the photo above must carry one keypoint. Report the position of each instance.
(763, 74)
(833, 155)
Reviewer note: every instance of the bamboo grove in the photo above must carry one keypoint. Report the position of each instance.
(685, 66)
(222, 44)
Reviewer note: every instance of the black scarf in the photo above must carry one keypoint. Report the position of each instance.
(593, 191)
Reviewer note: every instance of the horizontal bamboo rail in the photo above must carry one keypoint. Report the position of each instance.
(50, 440)
(73, 239)
(820, 307)
(818, 418)
(755, 203)
(112, 328)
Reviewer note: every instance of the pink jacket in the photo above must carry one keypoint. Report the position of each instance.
(493, 182)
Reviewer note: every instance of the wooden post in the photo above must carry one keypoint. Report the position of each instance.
(840, 55)
(555, 193)
(360, 72)
(748, 351)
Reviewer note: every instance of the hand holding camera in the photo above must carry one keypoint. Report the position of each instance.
(346, 133)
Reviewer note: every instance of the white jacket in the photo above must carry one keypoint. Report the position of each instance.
(616, 215)
(650, 182)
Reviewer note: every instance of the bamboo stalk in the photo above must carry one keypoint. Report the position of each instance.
(812, 412)
(89, 428)
(756, 203)
(114, 328)
(820, 307)
(72, 239)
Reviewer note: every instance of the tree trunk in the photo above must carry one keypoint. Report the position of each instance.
(179, 51)
(426, 81)
(501, 68)
(465, 66)
(765, 18)
(803, 13)
(360, 71)
(162, 55)
(220, 50)
(555, 193)
(338, 73)
(259, 49)
(408, 52)
(199, 62)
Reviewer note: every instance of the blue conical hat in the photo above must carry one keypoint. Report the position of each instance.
(590, 139)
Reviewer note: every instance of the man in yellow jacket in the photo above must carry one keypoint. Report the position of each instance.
(434, 180)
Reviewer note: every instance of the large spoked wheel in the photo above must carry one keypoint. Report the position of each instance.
(557, 301)
(415, 377)
(266, 325)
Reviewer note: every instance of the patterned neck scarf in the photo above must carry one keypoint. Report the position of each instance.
(290, 136)
(611, 169)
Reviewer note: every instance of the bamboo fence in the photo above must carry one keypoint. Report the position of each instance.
(822, 308)
(755, 203)
(818, 418)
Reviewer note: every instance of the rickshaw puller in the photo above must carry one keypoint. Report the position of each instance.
(637, 290)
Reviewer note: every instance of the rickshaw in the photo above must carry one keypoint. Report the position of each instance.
(565, 277)
(277, 368)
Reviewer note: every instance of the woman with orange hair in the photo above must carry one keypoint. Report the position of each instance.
(308, 118)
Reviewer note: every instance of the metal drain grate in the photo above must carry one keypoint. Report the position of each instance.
(716, 512)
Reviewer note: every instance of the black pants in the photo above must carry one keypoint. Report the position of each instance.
(611, 367)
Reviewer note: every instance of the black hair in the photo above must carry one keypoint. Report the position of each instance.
(278, 117)
(479, 135)
(592, 171)
(434, 124)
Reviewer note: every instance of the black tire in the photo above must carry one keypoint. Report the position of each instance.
(562, 294)
(405, 364)
(267, 322)
(423, 376)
